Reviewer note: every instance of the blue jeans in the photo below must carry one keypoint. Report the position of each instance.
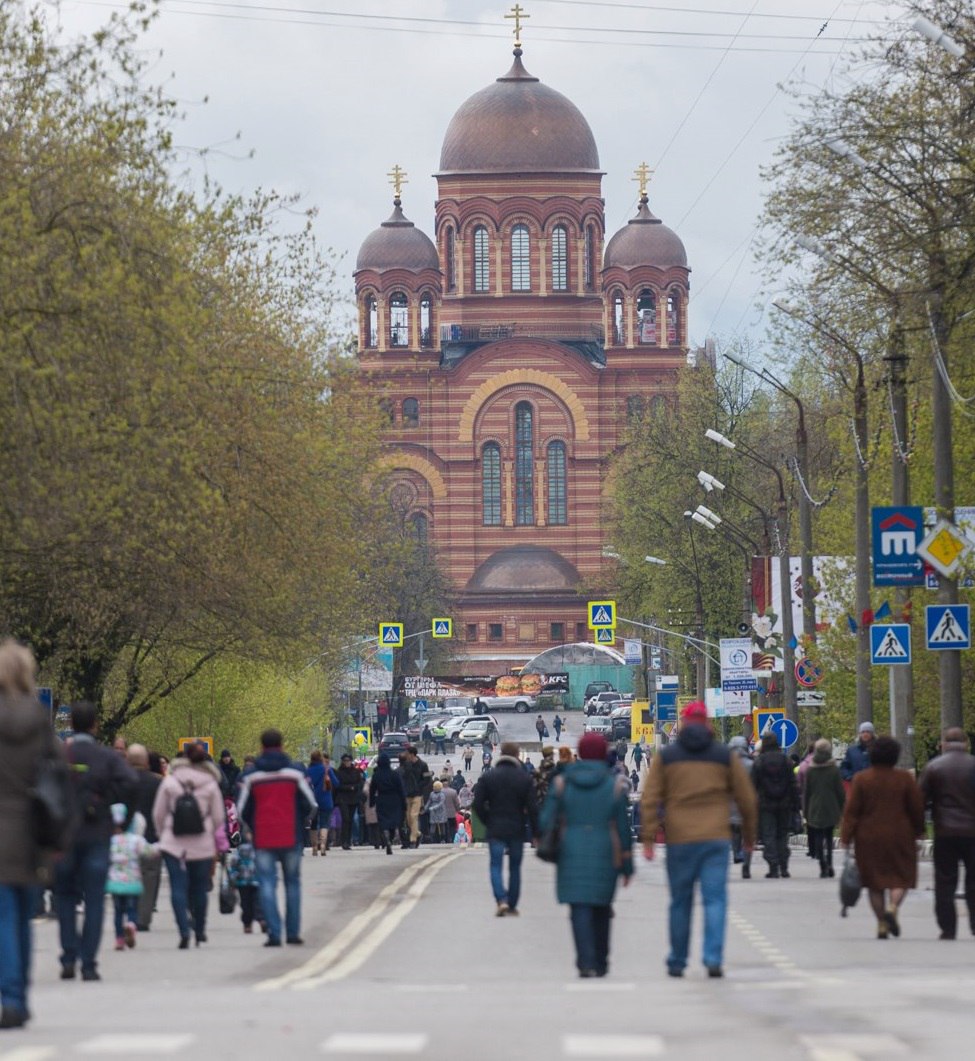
(126, 910)
(188, 882)
(706, 862)
(590, 930)
(80, 877)
(17, 902)
(515, 849)
(267, 877)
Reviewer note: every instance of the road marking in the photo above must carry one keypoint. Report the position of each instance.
(330, 953)
(599, 985)
(423, 989)
(137, 1043)
(30, 1053)
(379, 1043)
(833, 1046)
(612, 1046)
(370, 943)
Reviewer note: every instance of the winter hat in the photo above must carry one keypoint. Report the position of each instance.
(226, 754)
(119, 811)
(593, 746)
(696, 711)
(548, 751)
(867, 727)
(823, 751)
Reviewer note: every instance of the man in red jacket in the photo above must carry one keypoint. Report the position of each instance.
(274, 801)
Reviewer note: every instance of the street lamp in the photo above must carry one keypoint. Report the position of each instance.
(702, 680)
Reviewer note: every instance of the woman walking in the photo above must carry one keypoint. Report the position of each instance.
(388, 796)
(591, 803)
(187, 837)
(823, 797)
(437, 808)
(883, 817)
(324, 782)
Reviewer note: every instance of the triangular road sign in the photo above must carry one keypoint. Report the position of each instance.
(443, 627)
(890, 647)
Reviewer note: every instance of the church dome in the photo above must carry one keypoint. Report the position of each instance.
(397, 244)
(645, 240)
(524, 569)
(518, 125)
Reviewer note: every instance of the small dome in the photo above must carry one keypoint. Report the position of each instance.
(524, 569)
(397, 244)
(645, 240)
(580, 654)
(518, 125)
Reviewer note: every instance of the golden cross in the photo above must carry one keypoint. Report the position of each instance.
(643, 172)
(517, 13)
(397, 178)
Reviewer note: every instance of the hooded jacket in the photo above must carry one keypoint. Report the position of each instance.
(504, 799)
(275, 799)
(823, 794)
(948, 786)
(857, 758)
(688, 788)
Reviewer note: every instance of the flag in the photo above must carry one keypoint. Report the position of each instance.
(852, 624)
(793, 644)
(882, 612)
(867, 618)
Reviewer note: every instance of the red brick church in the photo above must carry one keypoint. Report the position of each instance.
(510, 350)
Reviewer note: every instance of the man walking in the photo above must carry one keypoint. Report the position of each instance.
(540, 727)
(689, 786)
(948, 786)
(857, 756)
(146, 786)
(275, 800)
(101, 777)
(418, 784)
(778, 799)
(504, 800)
(557, 725)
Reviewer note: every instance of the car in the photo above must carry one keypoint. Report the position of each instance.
(458, 705)
(454, 725)
(619, 720)
(393, 744)
(595, 703)
(597, 687)
(414, 726)
(599, 724)
(520, 702)
(477, 732)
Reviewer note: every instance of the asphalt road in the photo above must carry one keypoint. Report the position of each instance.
(404, 957)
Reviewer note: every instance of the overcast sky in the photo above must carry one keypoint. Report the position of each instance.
(329, 99)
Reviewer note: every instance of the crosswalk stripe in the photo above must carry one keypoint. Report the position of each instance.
(379, 1043)
(852, 1044)
(137, 1043)
(604, 1046)
(29, 1053)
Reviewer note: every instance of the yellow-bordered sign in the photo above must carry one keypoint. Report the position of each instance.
(602, 615)
(443, 627)
(604, 636)
(208, 741)
(390, 635)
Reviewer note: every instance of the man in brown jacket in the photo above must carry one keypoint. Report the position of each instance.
(689, 791)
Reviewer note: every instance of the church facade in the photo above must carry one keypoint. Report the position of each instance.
(509, 351)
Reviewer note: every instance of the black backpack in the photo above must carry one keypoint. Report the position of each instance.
(187, 819)
(777, 778)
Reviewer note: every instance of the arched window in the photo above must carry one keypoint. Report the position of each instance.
(555, 469)
(619, 322)
(419, 527)
(372, 322)
(426, 320)
(450, 260)
(524, 466)
(491, 485)
(590, 257)
(673, 316)
(646, 317)
(560, 258)
(411, 412)
(389, 410)
(399, 320)
(482, 260)
(658, 406)
(634, 407)
(521, 276)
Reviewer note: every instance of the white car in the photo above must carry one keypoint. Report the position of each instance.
(478, 732)
(454, 726)
(599, 724)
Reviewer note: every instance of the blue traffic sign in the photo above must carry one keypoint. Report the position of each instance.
(890, 644)
(765, 720)
(947, 626)
(786, 730)
(602, 614)
(420, 705)
(667, 705)
(45, 694)
(897, 532)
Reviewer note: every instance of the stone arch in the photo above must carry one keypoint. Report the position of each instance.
(521, 376)
(419, 465)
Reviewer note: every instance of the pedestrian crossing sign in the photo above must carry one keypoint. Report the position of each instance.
(764, 721)
(948, 626)
(443, 627)
(602, 615)
(890, 644)
(391, 635)
(605, 636)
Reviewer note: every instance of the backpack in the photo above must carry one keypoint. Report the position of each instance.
(777, 779)
(187, 818)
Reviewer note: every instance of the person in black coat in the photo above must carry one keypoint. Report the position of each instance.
(778, 799)
(388, 796)
(347, 797)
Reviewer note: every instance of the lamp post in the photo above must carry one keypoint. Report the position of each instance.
(738, 538)
(702, 665)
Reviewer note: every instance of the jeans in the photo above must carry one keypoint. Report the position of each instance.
(821, 845)
(773, 827)
(590, 930)
(707, 863)
(948, 852)
(17, 903)
(80, 877)
(188, 882)
(515, 849)
(126, 910)
(267, 877)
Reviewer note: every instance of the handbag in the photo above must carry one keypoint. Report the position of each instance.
(228, 894)
(550, 842)
(850, 884)
(53, 807)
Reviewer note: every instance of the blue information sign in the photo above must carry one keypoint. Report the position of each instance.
(46, 696)
(667, 706)
(897, 532)
(786, 730)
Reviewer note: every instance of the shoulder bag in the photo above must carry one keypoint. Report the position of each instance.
(550, 841)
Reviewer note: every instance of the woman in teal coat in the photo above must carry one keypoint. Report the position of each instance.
(594, 852)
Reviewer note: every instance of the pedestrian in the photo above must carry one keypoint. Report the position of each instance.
(466, 797)
(504, 800)
(468, 756)
(347, 796)
(857, 755)
(883, 817)
(595, 848)
(230, 771)
(187, 836)
(457, 781)
(242, 873)
(436, 807)
(446, 772)
(439, 739)
(461, 836)
(26, 739)
(740, 854)
(120, 746)
(801, 770)
(557, 725)
(543, 775)
(540, 727)
(823, 797)
(274, 801)
(778, 800)
(126, 853)
(637, 756)
(388, 797)
(324, 783)
(427, 737)
(688, 788)
(565, 757)
(487, 756)
(147, 785)
(101, 777)
(452, 807)
(948, 787)
(418, 784)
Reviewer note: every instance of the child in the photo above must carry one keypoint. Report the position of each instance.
(125, 873)
(242, 871)
(461, 837)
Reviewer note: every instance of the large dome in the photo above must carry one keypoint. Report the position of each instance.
(397, 244)
(524, 569)
(645, 240)
(518, 125)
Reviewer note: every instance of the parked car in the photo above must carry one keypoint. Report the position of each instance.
(393, 744)
(597, 687)
(595, 704)
(619, 720)
(521, 702)
(454, 725)
(414, 726)
(599, 724)
(478, 732)
(458, 705)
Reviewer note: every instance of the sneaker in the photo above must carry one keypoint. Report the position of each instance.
(120, 943)
(130, 934)
(672, 970)
(271, 942)
(90, 974)
(715, 972)
(502, 910)
(295, 941)
(512, 912)
(13, 1018)
(67, 972)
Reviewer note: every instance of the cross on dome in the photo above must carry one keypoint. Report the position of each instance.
(517, 13)
(642, 175)
(397, 178)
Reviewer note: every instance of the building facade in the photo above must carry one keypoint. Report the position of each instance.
(510, 351)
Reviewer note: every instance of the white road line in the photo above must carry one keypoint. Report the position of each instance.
(379, 1043)
(329, 954)
(137, 1043)
(30, 1053)
(835, 1045)
(832, 1055)
(423, 989)
(604, 1046)
(358, 955)
(599, 985)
